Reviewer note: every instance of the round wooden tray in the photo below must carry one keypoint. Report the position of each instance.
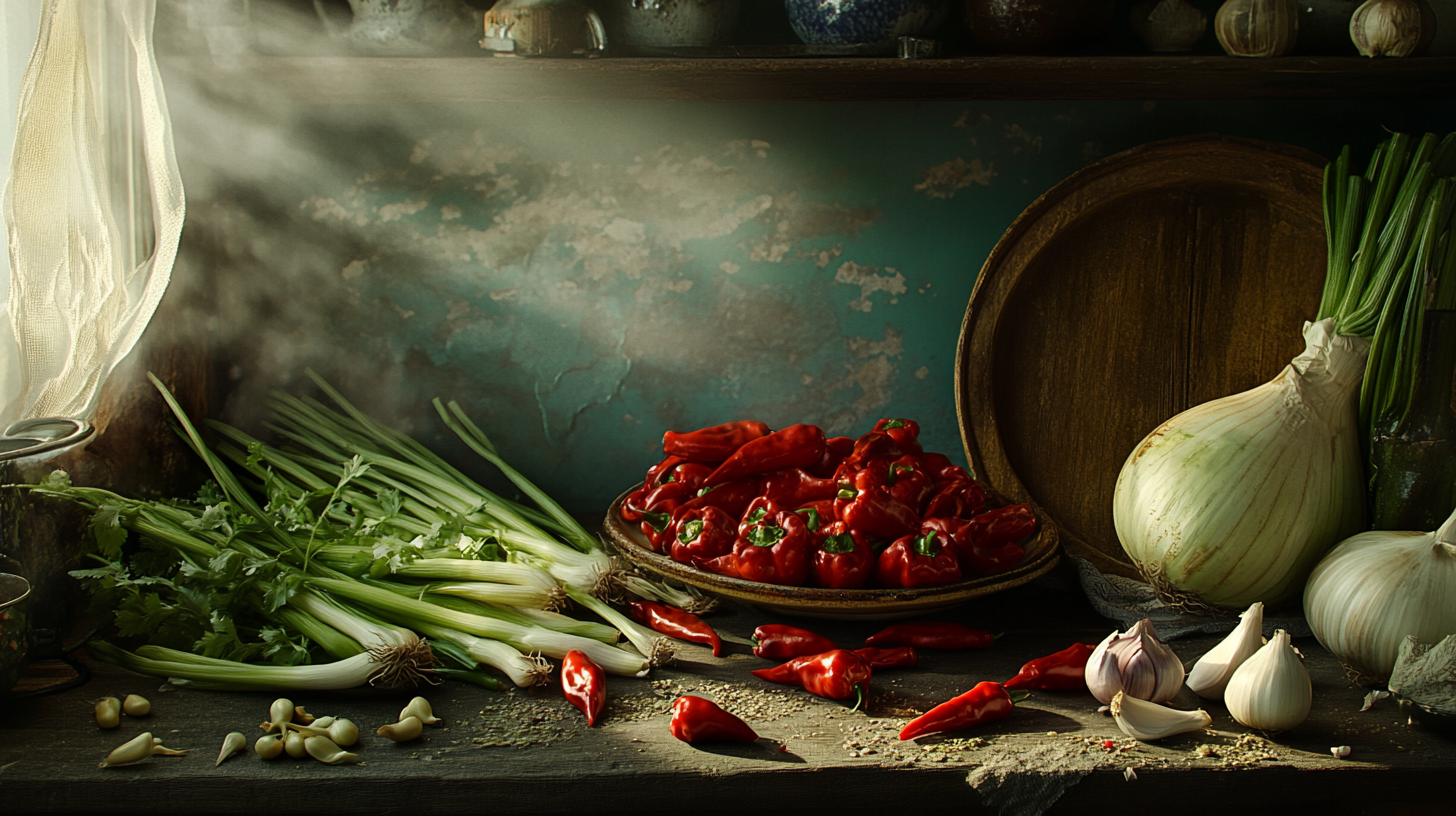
(1155, 280)
(1042, 553)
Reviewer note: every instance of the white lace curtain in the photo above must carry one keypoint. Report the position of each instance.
(93, 203)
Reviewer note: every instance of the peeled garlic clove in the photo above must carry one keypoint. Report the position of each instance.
(231, 744)
(1271, 691)
(136, 706)
(269, 746)
(293, 745)
(302, 717)
(324, 750)
(1211, 673)
(343, 732)
(403, 731)
(1147, 721)
(280, 712)
(419, 708)
(1340, 751)
(1391, 28)
(136, 750)
(108, 712)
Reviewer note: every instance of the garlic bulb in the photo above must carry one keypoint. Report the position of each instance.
(1257, 28)
(1135, 663)
(1379, 587)
(1167, 25)
(1392, 28)
(1210, 674)
(1147, 721)
(1271, 690)
(1233, 501)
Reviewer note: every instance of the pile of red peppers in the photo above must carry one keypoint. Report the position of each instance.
(793, 507)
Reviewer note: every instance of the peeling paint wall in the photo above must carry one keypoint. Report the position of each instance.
(582, 277)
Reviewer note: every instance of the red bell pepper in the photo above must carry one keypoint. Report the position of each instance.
(836, 674)
(987, 702)
(956, 499)
(675, 623)
(775, 550)
(835, 450)
(898, 657)
(908, 482)
(657, 474)
(712, 444)
(695, 719)
(1060, 671)
(732, 497)
(584, 684)
(777, 641)
(874, 512)
(794, 487)
(843, 559)
(905, 433)
(873, 445)
(975, 561)
(918, 561)
(691, 474)
(757, 510)
(941, 470)
(702, 534)
(932, 635)
(796, 446)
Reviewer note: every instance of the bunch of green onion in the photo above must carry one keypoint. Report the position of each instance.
(366, 540)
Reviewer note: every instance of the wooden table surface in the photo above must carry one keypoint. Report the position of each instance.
(530, 752)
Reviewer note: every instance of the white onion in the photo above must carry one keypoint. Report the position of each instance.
(1233, 501)
(1377, 588)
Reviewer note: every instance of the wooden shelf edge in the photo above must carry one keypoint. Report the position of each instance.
(875, 79)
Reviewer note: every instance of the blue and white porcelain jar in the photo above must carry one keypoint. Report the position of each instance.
(864, 22)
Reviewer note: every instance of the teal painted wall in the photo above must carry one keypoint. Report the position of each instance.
(582, 277)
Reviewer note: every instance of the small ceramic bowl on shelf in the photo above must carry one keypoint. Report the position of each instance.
(1042, 554)
(879, 23)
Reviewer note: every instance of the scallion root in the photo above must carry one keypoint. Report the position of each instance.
(404, 666)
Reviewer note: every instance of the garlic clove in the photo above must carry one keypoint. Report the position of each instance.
(1103, 679)
(280, 712)
(322, 722)
(269, 746)
(403, 731)
(293, 745)
(136, 750)
(136, 706)
(343, 732)
(1271, 690)
(231, 744)
(1210, 674)
(302, 717)
(1340, 751)
(324, 750)
(108, 712)
(419, 707)
(1147, 721)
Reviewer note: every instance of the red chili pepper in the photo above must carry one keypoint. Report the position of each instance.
(691, 474)
(908, 482)
(905, 432)
(695, 719)
(876, 513)
(676, 623)
(837, 674)
(873, 445)
(794, 487)
(941, 471)
(658, 472)
(974, 561)
(796, 446)
(956, 499)
(584, 684)
(1002, 524)
(1060, 671)
(932, 635)
(987, 702)
(899, 657)
(702, 534)
(835, 450)
(777, 641)
(922, 560)
(712, 444)
(774, 550)
(843, 559)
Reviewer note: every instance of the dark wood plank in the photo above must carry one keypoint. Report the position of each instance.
(508, 79)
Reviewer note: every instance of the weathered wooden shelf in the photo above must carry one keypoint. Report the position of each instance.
(489, 78)
(530, 752)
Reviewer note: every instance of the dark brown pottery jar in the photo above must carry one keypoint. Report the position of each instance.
(1036, 26)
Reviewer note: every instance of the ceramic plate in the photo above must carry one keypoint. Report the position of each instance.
(1042, 553)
